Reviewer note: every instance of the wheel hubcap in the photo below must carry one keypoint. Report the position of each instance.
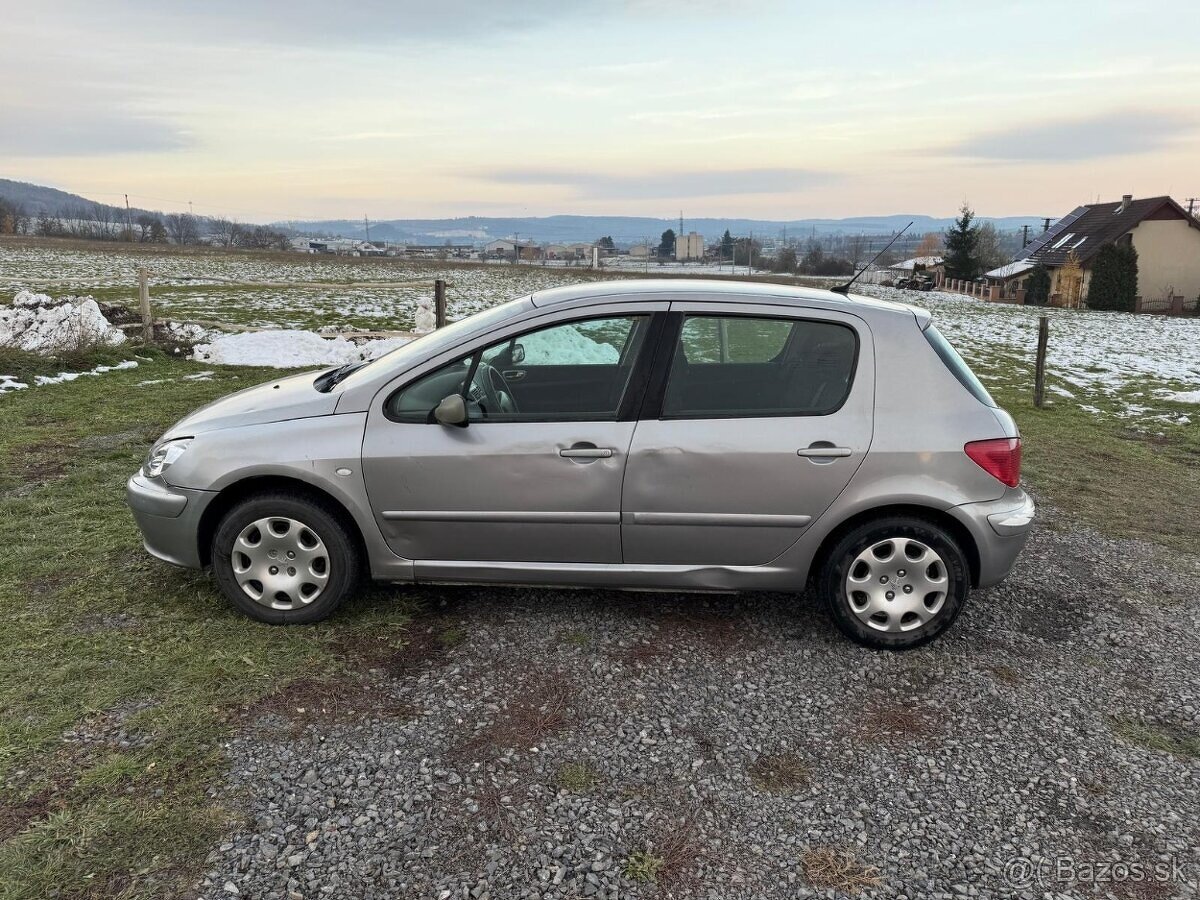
(280, 563)
(897, 584)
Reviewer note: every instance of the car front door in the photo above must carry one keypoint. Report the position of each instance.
(535, 476)
(754, 421)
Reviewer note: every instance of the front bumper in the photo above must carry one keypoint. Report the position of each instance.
(1000, 529)
(169, 518)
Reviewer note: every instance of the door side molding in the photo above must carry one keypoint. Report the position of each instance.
(517, 516)
(737, 520)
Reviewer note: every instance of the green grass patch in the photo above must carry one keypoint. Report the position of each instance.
(1175, 741)
(101, 641)
(577, 778)
(1123, 482)
(643, 866)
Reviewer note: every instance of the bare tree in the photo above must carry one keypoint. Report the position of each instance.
(182, 228)
(145, 223)
(225, 231)
(990, 248)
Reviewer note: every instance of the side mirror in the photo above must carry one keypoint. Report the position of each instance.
(452, 411)
(518, 354)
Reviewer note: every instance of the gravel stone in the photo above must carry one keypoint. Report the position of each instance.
(565, 732)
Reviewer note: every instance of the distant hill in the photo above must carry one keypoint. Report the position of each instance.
(38, 199)
(624, 229)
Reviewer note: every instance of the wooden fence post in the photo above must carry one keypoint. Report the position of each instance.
(439, 304)
(144, 304)
(1039, 378)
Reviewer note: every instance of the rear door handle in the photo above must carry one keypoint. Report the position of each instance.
(585, 453)
(824, 452)
(512, 374)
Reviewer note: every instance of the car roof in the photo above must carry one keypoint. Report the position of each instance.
(718, 289)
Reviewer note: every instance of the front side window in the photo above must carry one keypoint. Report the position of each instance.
(731, 366)
(574, 371)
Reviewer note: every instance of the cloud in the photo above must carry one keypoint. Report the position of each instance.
(1108, 134)
(708, 183)
(78, 132)
(317, 23)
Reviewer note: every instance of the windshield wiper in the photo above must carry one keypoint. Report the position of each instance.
(326, 381)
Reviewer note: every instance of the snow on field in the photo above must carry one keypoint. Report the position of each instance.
(289, 349)
(1131, 362)
(39, 324)
(8, 383)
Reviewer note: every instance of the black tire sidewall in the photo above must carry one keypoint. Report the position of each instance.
(833, 578)
(344, 563)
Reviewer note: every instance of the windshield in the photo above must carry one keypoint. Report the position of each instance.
(434, 342)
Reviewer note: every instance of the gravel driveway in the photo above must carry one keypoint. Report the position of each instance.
(597, 744)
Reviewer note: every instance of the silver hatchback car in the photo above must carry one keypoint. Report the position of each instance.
(683, 435)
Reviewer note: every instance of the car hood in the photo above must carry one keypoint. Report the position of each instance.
(293, 397)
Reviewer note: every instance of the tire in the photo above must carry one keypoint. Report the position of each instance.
(926, 598)
(324, 569)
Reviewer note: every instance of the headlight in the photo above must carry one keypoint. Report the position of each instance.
(162, 456)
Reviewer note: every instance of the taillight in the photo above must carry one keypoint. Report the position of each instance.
(1000, 458)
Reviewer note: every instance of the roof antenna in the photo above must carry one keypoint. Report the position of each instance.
(845, 288)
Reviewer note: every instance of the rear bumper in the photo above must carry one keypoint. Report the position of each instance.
(169, 518)
(1000, 529)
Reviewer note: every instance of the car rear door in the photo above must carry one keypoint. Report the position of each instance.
(756, 418)
(541, 483)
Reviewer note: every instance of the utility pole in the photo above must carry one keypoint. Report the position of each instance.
(367, 228)
(128, 219)
(190, 213)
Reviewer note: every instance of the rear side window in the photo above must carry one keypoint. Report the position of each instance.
(947, 354)
(735, 366)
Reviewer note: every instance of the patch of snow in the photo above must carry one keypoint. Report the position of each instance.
(566, 345)
(1183, 396)
(8, 383)
(38, 324)
(289, 349)
(63, 377)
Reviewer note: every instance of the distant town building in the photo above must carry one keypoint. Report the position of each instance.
(506, 248)
(689, 246)
(1166, 238)
(641, 251)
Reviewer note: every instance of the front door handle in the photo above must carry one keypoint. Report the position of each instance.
(586, 453)
(512, 374)
(824, 452)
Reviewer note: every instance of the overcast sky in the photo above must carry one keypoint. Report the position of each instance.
(305, 109)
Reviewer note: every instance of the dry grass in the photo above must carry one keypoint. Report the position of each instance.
(885, 725)
(780, 773)
(313, 701)
(830, 867)
(541, 709)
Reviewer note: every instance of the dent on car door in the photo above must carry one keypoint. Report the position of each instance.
(756, 423)
(535, 476)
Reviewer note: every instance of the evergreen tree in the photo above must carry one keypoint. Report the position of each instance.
(727, 245)
(1037, 286)
(1114, 278)
(666, 247)
(962, 247)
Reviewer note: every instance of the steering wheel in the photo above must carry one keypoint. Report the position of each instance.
(497, 391)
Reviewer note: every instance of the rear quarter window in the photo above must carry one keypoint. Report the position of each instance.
(958, 368)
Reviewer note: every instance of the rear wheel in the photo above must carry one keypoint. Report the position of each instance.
(895, 583)
(285, 558)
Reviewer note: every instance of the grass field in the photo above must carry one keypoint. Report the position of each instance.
(120, 677)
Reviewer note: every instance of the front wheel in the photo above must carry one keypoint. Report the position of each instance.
(895, 583)
(283, 558)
